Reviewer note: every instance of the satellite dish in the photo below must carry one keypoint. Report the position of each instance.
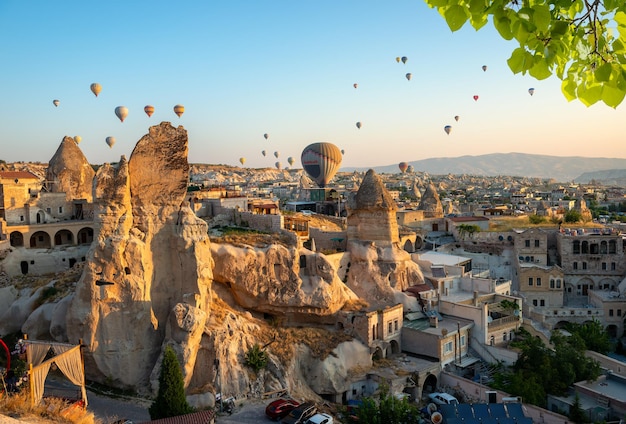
(432, 408)
(444, 332)
(436, 418)
(489, 319)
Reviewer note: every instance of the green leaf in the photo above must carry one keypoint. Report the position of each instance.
(478, 21)
(612, 96)
(541, 17)
(503, 25)
(589, 95)
(620, 18)
(540, 69)
(437, 3)
(477, 6)
(603, 73)
(559, 29)
(568, 87)
(519, 60)
(456, 16)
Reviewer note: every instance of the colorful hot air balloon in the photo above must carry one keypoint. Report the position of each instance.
(276, 154)
(475, 98)
(409, 76)
(355, 85)
(121, 112)
(56, 102)
(456, 118)
(398, 59)
(447, 129)
(403, 166)
(266, 135)
(149, 109)
(359, 125)
(110, 141)
(242, 160)
(95, 88)
(278, 165)
(78, 139)
(263, 152)
(531, 91)
(179, 110)
(321, 162)
(404, 59)
(485, 68)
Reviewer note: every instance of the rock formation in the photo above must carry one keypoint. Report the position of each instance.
(430, 203)
(585, 213)
(69, 172)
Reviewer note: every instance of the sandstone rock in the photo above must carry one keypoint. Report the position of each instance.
(12, 320)
(69, 172)
(430, 203)
(58, 328)
(8, 295)
(37, 325)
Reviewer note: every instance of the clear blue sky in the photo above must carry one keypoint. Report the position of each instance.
(283, 67)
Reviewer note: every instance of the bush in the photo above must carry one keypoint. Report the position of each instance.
(256, 358)
(536, 219)
(170, 400)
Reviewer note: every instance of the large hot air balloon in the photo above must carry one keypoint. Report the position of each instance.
(447, 129)
(404, 59)
(278, 165)
(121, 112)
(179, 110)
(78, 139)
(149, 109)
(276, 154)
(403, 166)
(409, 76)
(359, 125)
(475, 98)
(456, 118)
(321, 162)
(95, 88)
(263, 152)
(485, 68)
(56, 102)
(110, 141)
(266, 135)
(531, 91)
(242, 160)
(355, 85)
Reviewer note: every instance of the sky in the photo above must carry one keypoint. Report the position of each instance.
(282, 67)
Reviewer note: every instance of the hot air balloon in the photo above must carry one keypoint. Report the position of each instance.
(291, 160)
(276, 154)
(343, 152)
(359, 125)
(485, 68)
(121, 112)
(404, 59)
(355, 85)
(277, 164)
(531, 91)
(410, 169)
(447, 129)
(456, 118)
(78, 139)
(179, 110)
(409, 76)
(242, 160)
(149, 109)
(56, 102)
(263, 152)
(266, 135)
(398, 59)
(476, 98)
(321, 162)
(403, 166)
(110, 141)
(95, 88)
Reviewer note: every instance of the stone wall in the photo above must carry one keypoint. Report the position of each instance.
(328, 241)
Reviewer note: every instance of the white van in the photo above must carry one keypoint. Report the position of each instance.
(443, 399)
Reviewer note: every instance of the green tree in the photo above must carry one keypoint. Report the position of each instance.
(576, 412)
(572, 216)
(593, 334)
(387, 409)
(582, 42)
(170, 400)
(536, 219)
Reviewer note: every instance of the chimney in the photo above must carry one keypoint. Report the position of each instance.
(475, 297)
(434, 322)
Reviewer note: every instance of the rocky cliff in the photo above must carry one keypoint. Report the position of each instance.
(69, 172)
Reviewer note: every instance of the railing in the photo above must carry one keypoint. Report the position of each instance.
(500, 322)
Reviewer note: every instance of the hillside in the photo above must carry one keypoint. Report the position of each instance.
(561, 168)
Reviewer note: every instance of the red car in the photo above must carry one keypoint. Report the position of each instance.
(280, 408)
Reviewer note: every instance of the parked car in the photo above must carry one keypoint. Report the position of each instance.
(300, 414)
(443, 399)
(320, 419)
(280, 408)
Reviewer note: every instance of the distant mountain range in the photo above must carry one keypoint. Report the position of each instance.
(561, 168)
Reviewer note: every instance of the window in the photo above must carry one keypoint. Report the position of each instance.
(584, 265)
(390, 327)
(551, 283)
(542, 302)
(48, 210)
(610, 312)
(619, 312)
(530, 281)
(22, 218)
(575, 265)
(395, 325)
(504, 337)
(534, 302)
(60, 209)
(612, 266)
(603, 266)
(538, 281)
(576, 247)
(558, 283)
(527, 243)
(536, 243)
(463, 337)
(447, 348)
